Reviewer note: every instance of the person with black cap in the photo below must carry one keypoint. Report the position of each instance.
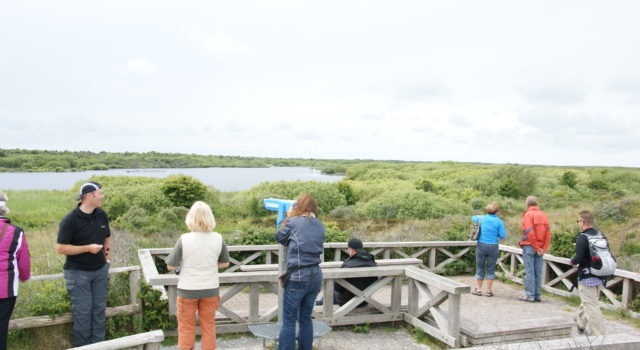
(85, 238)
(358, 257)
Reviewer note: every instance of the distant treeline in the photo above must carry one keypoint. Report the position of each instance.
(37, 161)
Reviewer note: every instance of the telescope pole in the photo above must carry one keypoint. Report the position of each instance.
(282, 266)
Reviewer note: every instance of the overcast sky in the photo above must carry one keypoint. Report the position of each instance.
(535, 82)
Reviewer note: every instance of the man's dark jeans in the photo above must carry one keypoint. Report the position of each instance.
(88, 292)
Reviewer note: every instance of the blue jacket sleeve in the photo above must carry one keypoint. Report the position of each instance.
(502, 233)
(282, 236)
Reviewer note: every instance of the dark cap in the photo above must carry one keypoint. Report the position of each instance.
(356, 245)
(88, 187)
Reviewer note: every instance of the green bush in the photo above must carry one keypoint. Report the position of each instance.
(563, 242)
(343, 213)
(425, 185)
(476, 203)
(135, 219)
(598, 185)
(569, 179)
(412, 204)
(52, 299)
(509, 188)
(155, 310)
(516, 181)
(345, 189)
(617, 211)
(183, 190)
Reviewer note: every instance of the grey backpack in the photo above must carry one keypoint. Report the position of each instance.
(602, 263)
(475, 230)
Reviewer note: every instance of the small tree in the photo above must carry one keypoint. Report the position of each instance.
(569, 179)
(425, 185)
(183, 190)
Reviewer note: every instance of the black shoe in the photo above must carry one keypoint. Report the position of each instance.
(319, 302)
(538, 300)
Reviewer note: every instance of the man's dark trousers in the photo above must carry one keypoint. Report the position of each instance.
(88, 291)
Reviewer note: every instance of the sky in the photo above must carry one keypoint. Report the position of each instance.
(526, 82)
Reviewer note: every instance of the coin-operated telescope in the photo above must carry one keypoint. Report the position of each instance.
(278, 205)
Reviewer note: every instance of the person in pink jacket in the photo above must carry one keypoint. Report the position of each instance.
(15, 266)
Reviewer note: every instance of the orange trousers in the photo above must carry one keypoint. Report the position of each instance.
(186, 312)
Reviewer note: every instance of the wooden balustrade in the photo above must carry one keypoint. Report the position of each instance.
(433, 300)
(558, 276)
(135, 306)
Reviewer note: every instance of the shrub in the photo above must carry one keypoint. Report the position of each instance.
(155, 310)
(508, 188)
(598, 185)
(425, 185)
(345, 189)
(343, 213)
(135, 219)
(411, 204)
(614, 211)
(476, 203)
(569, 179)
(183, 190)
(515, 181)
(630, 248)
(563, 242)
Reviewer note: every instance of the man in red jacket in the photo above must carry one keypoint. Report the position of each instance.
(536, 237)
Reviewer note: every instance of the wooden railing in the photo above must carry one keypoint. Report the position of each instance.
(425, 308)
(434, 254)
(558, 276)
(135, 306)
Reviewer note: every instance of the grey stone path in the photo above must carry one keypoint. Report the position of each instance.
(501, 309)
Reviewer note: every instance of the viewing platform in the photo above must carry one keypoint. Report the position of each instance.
(408, 291)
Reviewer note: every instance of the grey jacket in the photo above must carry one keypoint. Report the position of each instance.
(304, 236)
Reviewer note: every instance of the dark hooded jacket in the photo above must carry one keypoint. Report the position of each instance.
(360, 259)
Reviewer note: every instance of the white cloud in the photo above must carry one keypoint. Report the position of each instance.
(219, 43)
(140, 66)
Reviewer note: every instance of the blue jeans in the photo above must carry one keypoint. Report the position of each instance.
(532, 272)
(297, 305)
(486, 254)
(88, 292)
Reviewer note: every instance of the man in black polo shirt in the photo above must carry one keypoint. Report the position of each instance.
(84, 237)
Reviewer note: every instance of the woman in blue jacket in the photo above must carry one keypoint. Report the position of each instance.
(491, 229)
(303, 234)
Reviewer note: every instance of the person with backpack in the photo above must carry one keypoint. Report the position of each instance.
(491, 230)
(589, 319)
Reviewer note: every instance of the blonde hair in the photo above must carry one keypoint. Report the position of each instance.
(200, 218)
(492, 208)
(3, 207)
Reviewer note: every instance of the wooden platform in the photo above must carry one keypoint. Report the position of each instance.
(608, 342)
(520, 331)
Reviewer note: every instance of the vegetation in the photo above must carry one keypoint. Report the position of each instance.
(376, 201)
(36, 160)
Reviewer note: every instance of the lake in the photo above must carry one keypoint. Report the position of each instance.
(223, 179)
